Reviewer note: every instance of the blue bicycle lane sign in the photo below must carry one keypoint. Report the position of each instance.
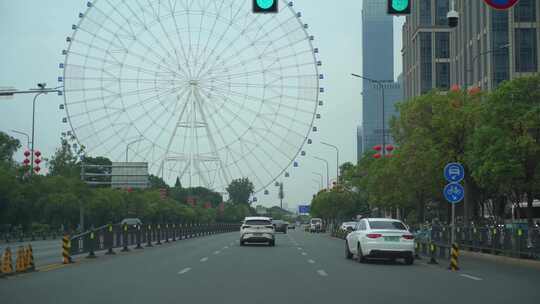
(454, 193)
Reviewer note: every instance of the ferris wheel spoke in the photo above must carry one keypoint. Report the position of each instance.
(213, 26)
(178, 36)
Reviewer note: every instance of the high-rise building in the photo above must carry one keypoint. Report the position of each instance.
(378, 64)
(487, 47)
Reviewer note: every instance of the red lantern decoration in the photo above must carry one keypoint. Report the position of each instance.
(377, 148)
(27, 153)
(389, 148)
(455, 88)
(129, 189)
(388, 155)
(37, 161)
(37, 153)
(474, 91)
(37, 169)
(377, 155)
(26, 162)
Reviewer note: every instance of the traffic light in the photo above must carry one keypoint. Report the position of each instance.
(399, 7)
(265, 6)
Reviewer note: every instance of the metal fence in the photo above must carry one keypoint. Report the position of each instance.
(29, 236)
(117, 236)
(513, 242)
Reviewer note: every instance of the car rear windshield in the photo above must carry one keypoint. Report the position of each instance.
(258, 222)
(390, 225)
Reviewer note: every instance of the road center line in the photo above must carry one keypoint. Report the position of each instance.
(471, 277)
(322, 273)
(217, 252)
(204, 259)
(299, 248)
(184, 270)
(311, 261)
(226, 247)
(303, 253)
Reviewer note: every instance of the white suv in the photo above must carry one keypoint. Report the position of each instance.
(380, 238)
(257, 230)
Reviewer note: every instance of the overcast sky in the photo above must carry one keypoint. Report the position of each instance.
(32, 35)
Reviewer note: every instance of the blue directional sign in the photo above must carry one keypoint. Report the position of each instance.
(454, 193)
(454, 172)
(303, 209)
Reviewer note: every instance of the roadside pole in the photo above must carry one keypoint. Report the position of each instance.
(454, 193)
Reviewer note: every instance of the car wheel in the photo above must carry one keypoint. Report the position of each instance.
(348, 253)
(285, 231)
(409, 260)
(272, 243)
(242, 243)
(360, 258)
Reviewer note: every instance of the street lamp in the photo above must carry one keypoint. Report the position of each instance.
(25, 134)
(327, 172)
(381, 87)
(337, 159)
(133, 142)
(471, 69)
(321, 176)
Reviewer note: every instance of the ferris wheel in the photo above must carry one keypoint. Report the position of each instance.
(203, 90)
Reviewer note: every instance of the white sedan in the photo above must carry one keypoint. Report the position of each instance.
(257, 229)
(380, 238)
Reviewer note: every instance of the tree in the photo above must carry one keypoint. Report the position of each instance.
(8, 146)
(505, 151)
(64, 161)
(178, 184)
(156, 182)
(240, 190)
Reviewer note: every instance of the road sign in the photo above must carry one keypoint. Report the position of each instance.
(303, 209)
(501, 4)
(454, 172)
(454, 193)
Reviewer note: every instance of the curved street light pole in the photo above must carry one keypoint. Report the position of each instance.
(321, 176)
(381, 87)
(25, 134)
(327, 171)
(337, 159)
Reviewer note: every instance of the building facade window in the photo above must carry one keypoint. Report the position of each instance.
(442, 45)
(442, 70)
(425, 13)
(500, 58)
(426, 62)
(525, 11)
(526, 50)
(441, 10)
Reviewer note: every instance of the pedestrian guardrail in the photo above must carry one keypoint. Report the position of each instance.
(29, 236)
(110, 237)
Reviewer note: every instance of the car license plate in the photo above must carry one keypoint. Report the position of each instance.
(258, 234)
(391, 238)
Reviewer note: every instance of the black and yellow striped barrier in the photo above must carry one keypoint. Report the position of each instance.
(66, 250)
(7, 263)
(30, 266)
(454, 254)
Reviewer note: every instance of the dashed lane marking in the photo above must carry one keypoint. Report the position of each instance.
(303, 253)
(311, 261)
(322, 273)
(217, 252)
(299, 248)
(204, 259)
(185, 270)
(471, 277)
(226, 247)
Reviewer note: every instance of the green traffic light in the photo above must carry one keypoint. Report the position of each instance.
(400, 5)
(265, 4)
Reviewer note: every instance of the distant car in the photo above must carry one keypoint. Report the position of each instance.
(348, 226)
(134, 222)
(257, 229)
(380, 238)
(291, 226)
(280, 226)
(315, 225)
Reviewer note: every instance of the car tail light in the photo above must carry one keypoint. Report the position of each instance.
(408, 236)
(374, 235)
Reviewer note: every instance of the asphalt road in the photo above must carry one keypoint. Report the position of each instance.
(302, 268)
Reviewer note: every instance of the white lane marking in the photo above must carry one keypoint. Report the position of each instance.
(217, 252)
(184, 270)
(471, 277)
(311, 261)
(299, 248)
(226, 247)
(322, 273)
(303, 253)
(204, 259)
